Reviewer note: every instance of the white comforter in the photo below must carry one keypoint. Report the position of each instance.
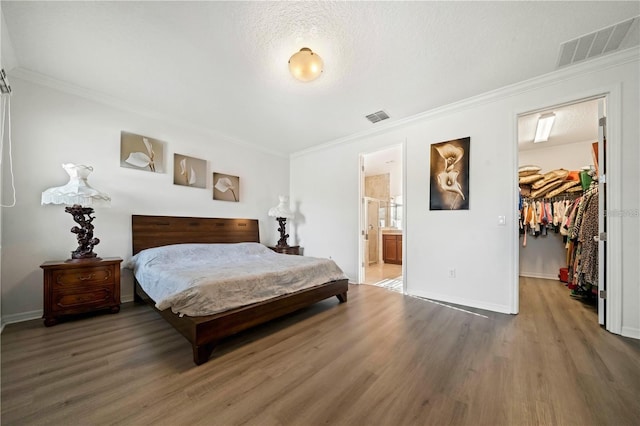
(203, 279)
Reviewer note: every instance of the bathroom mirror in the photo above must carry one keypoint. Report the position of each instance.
(395, 213)
(383, 214)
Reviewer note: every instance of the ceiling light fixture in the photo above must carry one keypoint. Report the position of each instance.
(305, 65)
(543, 129)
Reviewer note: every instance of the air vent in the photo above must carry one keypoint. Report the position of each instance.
(595, 44)
(377, 116)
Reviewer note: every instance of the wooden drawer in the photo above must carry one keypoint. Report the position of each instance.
(72, 301)
(72, 287)
(82, 276)
(294, 250)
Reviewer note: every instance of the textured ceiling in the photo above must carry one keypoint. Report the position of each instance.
(223, 65)
(574, 123)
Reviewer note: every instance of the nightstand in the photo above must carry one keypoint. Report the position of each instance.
(287, 250)
(80, 286)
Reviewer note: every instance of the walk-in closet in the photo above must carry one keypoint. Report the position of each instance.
(559, 200)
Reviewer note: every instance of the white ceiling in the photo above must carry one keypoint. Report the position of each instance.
(222, 66)
(574, 123)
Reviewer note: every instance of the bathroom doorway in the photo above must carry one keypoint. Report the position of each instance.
(381, 219)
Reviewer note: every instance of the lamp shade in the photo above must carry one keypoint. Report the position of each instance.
(305, 65)
(77, 190)
(282, 209)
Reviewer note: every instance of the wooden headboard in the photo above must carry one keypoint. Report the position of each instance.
(156, 231)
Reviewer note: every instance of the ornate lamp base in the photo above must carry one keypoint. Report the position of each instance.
(282, 242)
(84, 232)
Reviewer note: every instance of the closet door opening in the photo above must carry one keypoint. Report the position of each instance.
(561, 183)
(381, 227)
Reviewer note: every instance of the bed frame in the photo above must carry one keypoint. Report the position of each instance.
(205, 332)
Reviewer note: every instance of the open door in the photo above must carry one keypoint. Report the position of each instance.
(381, 182)
(601, 165)
(373, 229)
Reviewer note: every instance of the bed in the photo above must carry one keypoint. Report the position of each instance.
(204, 332)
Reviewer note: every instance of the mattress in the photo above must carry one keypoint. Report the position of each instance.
(204, 279)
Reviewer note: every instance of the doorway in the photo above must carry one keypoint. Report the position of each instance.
(560, 175)
(381, 219)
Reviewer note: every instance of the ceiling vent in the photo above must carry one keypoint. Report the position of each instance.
(377, 116)
(595, 44)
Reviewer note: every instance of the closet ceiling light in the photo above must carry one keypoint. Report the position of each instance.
(305, 65)
(543, 129)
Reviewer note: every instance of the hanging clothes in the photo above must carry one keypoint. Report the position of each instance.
(582, 247)
(588, 230)
(537, 217)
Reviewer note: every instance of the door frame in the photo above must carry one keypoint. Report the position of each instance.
(361, 208)
(613, 98)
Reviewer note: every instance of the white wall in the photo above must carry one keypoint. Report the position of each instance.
(543, 256)
(51, 127)
(324, 185)
(570, 156)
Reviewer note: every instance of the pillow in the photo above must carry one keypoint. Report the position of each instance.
(528, 170)
(544, 181)
(561, 173)
(562, 188)
(530, 178)
(195, 252)
(573, 175)
(551, 176)
(548, 187)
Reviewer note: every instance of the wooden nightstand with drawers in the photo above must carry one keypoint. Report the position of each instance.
(295, 250)
(78, 287)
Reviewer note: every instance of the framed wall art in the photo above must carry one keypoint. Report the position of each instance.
(226, 187)
(141, 152)
(449, 175)
(189, 171)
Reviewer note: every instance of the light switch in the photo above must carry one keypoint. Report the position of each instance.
(502, 220)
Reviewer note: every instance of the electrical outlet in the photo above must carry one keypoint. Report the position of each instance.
(452, 273)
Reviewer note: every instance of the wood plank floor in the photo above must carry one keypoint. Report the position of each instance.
(380, 359)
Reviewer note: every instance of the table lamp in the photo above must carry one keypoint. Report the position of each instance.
(79, 198)
(282, 212)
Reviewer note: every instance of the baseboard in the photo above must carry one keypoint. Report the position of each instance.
(631, 332)
(538, 275)
(503, 309)
(28, 316)
(24, 316)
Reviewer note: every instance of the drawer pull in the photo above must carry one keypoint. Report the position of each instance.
(75, 277)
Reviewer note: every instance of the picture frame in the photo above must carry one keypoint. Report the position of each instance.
(189, 171)
(141, 152)
(226, 187)
(449, 175)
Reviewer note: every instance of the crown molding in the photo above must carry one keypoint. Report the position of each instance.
(112, 101)
(553, 77)
(608, 61)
